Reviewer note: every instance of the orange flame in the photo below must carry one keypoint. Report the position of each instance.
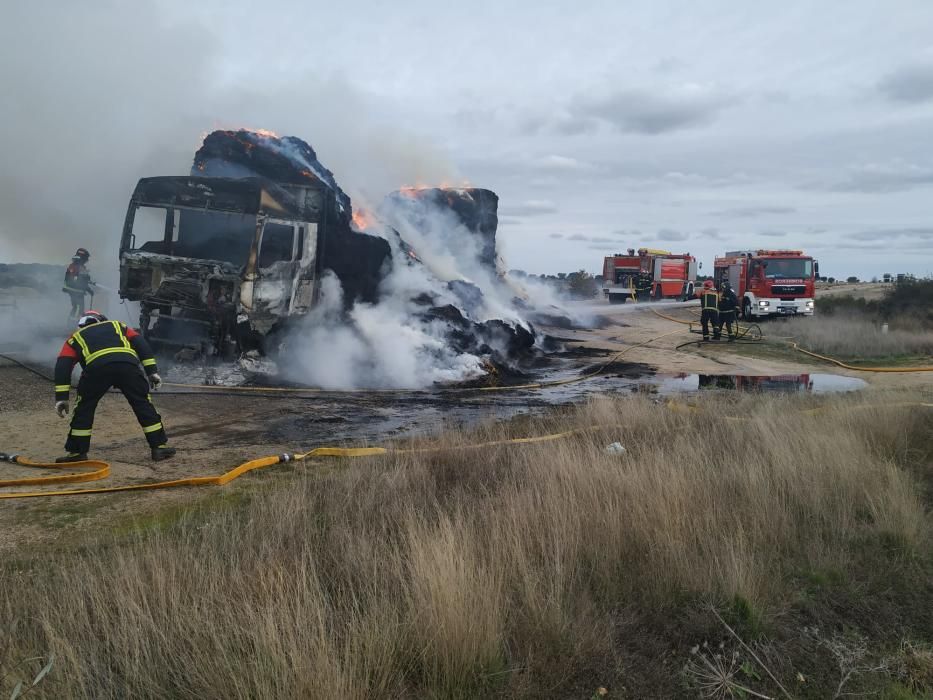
(412, 190)
(363, 219)
(262, 132)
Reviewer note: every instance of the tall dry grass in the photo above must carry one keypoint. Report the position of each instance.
(466, 573)
(855, 337)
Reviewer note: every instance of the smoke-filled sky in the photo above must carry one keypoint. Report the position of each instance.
(698, 127)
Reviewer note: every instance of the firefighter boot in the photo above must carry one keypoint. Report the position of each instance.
(162, 452)
(72, 457)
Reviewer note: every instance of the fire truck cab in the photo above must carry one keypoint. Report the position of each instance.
(770, 282)
(648, 274)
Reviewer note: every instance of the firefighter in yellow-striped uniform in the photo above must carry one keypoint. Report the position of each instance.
(110, 354)
(709, 305)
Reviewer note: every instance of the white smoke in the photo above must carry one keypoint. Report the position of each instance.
(451, 252)
(382, 346)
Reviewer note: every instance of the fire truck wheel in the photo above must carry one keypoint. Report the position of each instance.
(747, 310)
(616, 298)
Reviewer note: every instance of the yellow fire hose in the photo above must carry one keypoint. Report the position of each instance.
(93, 470)
(825, 358)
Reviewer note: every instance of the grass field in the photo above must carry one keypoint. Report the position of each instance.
(855, 337)
(739, 544)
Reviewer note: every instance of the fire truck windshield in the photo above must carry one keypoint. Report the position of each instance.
(796, 268)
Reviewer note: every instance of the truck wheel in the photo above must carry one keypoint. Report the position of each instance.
(616, 298)
(747, 310)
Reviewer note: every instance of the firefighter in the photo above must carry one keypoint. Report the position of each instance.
(78, 282)
(728, 305)
(642, 285)
(709, 303)
(110, 354)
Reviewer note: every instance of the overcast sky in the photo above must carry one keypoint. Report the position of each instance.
(699, 127)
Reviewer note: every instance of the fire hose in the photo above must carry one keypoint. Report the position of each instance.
(94, 470)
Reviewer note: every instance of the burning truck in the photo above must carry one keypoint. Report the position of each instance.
(231, 257)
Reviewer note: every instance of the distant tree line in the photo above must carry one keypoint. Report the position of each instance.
(578, 285)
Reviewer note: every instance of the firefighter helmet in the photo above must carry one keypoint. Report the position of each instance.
(90, 318)
(708, 284)
(82, 253)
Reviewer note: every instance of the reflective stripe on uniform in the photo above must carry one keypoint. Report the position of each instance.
(89, 356)
(106, 351)
(152, 428)
(62, 387)
(149, 363)
(82, 342)
(81, 433)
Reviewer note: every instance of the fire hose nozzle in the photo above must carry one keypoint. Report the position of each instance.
(11, 458)
(285, 458)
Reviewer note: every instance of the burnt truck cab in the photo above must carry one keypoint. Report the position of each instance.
(219, 264)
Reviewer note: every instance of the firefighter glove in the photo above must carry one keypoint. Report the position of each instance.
(155, 381)
(61, 407)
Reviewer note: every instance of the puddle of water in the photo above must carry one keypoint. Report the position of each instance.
(781, 383)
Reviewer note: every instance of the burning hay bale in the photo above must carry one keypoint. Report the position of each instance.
(286, 160)
(472, 209)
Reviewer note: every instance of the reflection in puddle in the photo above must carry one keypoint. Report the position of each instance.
(781, 383)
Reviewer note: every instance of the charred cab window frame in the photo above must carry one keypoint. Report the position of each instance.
(170, 242)
(294, 248)
(171, 217)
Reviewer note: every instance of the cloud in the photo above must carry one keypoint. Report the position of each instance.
(712, 233)
(509, 221)
(753, 211)
(652, 112)
(884, 234)
(561, 163)
(556, 235)
(530, 207)
(667, 234)
(909, 83)
(772, 234)
(895, 176)
(588, 239)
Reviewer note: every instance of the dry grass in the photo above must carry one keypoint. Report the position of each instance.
(852, 337)
(465, 573)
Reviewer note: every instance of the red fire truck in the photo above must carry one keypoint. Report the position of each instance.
(770, 282)
(648, 274)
